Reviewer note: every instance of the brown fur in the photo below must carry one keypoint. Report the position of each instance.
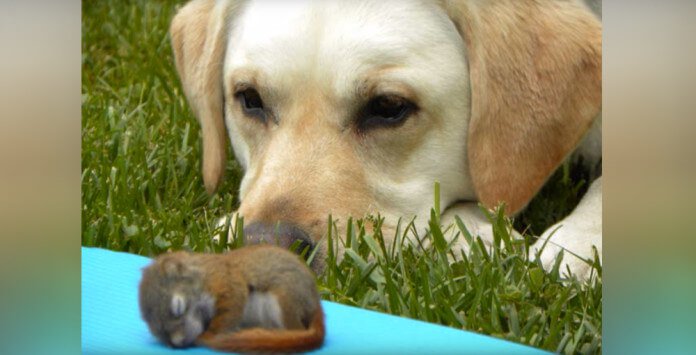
(230, 278)
(264, 340)
(536, 81)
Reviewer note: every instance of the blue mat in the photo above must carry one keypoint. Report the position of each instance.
(111, 320)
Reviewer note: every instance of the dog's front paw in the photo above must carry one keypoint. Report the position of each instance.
(579, 236)
(573, 245)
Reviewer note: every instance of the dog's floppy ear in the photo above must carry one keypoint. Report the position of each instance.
(536, 78)
(199, 38)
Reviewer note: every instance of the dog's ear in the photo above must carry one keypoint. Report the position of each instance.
(536, 77)
(199, 38)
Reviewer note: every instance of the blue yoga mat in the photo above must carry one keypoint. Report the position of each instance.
(111, 321)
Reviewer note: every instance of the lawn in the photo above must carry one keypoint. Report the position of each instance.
(142, 193)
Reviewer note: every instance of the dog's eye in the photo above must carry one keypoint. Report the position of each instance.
(386, 111)
(251, 103)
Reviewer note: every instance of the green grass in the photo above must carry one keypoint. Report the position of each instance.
(142, 193)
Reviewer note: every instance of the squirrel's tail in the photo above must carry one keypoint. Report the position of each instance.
(269, 340)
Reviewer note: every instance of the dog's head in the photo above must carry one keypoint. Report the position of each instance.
(357, 107)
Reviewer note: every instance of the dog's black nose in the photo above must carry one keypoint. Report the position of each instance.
(283, 234)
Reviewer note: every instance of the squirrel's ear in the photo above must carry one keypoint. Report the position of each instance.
(536, 87)
(199, 37)
(171, 264)
(172, 267)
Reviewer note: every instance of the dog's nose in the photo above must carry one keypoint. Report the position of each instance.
(282, 234)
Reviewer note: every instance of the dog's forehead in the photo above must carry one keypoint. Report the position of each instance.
(335, 42)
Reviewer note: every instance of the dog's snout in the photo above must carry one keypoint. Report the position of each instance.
(282, 234)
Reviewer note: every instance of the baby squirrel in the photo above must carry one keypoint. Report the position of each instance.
(259, 298)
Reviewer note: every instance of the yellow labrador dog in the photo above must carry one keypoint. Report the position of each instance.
(357, 107)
